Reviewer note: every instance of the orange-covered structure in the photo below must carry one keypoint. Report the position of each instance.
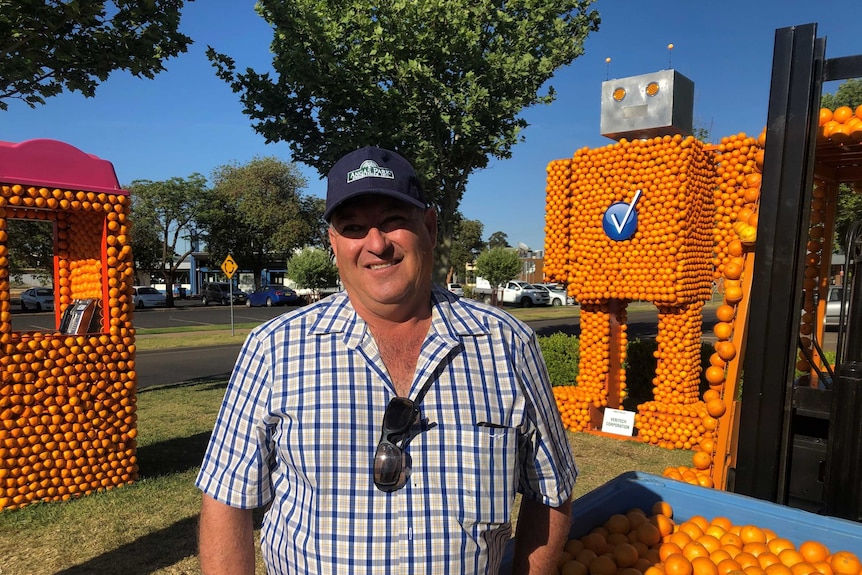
(67, 397)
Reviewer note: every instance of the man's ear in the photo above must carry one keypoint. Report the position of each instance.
(331, 233)
(431, 225)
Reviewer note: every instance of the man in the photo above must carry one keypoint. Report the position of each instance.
(386, 428)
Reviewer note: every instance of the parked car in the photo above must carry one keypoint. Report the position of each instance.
(146, 296)
(220, 293)
(833, 306)
(455, 289)
(557, 294)
(273, 295)
(37, 298)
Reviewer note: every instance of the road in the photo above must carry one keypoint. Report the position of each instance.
(172, 366)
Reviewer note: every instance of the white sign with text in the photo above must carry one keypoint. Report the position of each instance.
(618, 421)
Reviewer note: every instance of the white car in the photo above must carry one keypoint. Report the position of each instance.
(37, 298)
(556, 295)
(833, 306)
(455, 289)
(146, 296)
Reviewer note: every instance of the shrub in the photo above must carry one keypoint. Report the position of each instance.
(562, 353)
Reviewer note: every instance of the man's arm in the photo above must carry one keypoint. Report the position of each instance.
(540, 537)
(226, 539)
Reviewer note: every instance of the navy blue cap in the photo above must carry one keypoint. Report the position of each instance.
(371, 170)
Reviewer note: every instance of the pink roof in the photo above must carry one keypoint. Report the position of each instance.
(55, 164)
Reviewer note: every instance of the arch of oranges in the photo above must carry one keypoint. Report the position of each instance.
(701, 205)
(67, 401)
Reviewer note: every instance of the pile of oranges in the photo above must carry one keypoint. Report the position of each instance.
(840, 126)
(68, 420)
(652, 543)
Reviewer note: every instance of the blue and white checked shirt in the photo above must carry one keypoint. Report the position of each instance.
(302, 416)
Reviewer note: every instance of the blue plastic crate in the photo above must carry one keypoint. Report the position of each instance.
(636, 489)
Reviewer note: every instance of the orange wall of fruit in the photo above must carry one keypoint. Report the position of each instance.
(67, 401)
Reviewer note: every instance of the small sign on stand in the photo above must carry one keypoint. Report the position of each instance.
(618, 421)
(229, 267)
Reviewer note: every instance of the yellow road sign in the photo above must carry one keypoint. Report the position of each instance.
(229, 267)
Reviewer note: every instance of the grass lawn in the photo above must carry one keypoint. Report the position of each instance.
(149, 526)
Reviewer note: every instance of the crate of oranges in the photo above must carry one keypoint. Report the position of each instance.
(644, 524)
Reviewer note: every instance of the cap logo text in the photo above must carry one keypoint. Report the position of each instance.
(370, 169)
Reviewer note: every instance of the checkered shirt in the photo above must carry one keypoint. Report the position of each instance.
(302, 416)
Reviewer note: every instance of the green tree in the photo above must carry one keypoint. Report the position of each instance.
(171, 207)
(146, 243)
(466, 245)
(313, 269)
(497, 265)
(498, 240)
(49, 47)
(848, 94)
(443, 82)
(31, 250)
(257, 214)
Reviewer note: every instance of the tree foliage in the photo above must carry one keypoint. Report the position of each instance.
(313, 269)
(848, 94)
(443, 82)
(50, 47)
(258, 215)
(30, 245)
(497, 265)
(467, 243)
(171, 207)
(498, 240)
(147, 244)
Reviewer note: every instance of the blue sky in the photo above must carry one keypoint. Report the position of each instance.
(186, 120)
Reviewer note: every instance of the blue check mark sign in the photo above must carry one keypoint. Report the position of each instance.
(620, 221)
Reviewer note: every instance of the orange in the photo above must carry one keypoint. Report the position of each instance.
(703, 566)
(842, 114)
(668, 548)
(825, 116)
(625, 555)
(777, 569)
(702, 460)
(662, 508)
(790, 556)
(726, 350)
(814, 551)
(752, 534)
(694, 549)
(648, 534)
(603, 565)
(663, 523)
(618, 523)
(727, 565)
(725, 312)
(716, 408)
(573, 567)
(722, 330)
(845, 562)
(677, 564)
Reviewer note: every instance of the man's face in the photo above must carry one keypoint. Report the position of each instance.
(384, 252)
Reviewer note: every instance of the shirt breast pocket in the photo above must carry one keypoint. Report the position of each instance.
(478, 465)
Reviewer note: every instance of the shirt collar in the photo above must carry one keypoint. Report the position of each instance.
(451, 318)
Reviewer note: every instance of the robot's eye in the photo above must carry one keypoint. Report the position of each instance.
(652, 89)
(619, 94)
